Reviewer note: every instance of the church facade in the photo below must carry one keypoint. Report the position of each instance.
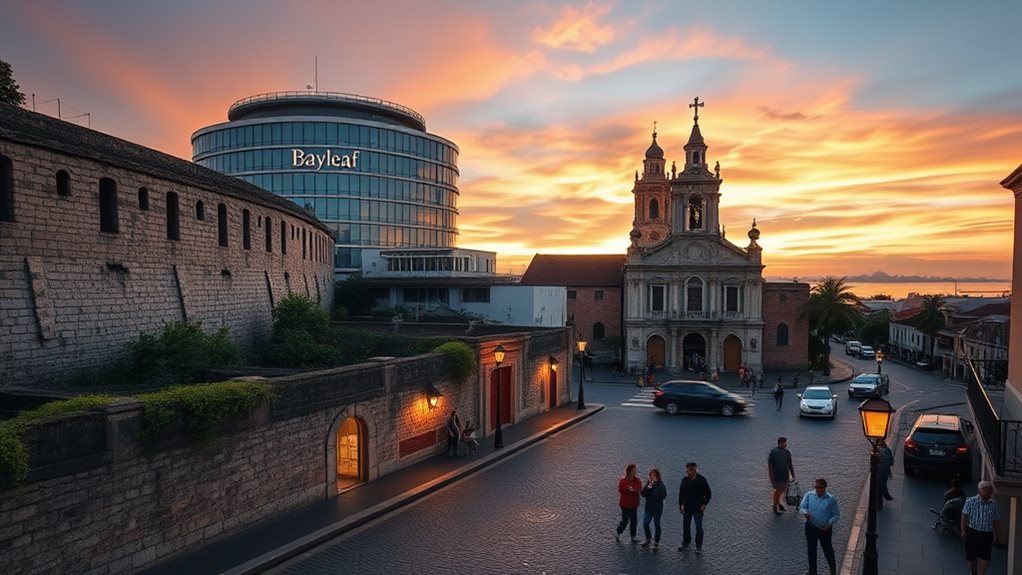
(694, 300)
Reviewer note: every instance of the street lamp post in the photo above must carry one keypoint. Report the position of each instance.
(498, 358)
(876, 417)
(581, 343)
(880, 360)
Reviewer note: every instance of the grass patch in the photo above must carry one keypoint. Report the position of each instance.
(201, 408)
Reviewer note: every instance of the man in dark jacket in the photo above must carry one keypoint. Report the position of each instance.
(693, 497)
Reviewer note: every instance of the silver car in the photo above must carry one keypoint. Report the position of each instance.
(817, 401)
(866, 384)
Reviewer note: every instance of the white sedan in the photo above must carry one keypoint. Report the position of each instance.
(817, 401)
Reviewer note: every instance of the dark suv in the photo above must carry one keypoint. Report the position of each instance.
(940, 442)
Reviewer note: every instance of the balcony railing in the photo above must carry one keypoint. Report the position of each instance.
(1002, 437)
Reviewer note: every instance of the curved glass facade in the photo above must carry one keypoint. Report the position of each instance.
(375, 181)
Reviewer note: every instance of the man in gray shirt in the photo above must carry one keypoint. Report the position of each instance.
(780, 471)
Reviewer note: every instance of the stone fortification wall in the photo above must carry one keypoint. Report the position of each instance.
(99, 501)
(72, 294)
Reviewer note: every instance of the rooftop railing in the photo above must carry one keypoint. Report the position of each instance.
(330, 96)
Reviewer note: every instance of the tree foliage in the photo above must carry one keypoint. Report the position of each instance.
(930, 318)
(831, 309)
(10, 92)
(875, 327)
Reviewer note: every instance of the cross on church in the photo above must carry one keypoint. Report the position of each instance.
(697, 104)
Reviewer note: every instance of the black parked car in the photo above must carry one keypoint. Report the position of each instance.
(698, 396)
(940, 442)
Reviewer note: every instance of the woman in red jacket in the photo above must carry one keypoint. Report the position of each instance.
(629, 487)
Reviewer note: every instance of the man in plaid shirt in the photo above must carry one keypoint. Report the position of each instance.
(981, 527)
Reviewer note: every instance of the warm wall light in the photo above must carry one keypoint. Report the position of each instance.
(498, 354)
(553, 363)
(433, 396)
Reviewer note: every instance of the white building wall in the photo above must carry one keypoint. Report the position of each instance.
(539, 306)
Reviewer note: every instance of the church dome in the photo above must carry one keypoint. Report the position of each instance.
(654, 152)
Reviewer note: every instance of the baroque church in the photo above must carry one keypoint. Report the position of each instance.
(692, 299)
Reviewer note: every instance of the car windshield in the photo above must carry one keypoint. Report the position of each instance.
(816, 394)
(940, 436)
(864, 380)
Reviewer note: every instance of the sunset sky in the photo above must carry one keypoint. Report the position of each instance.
(862, 136)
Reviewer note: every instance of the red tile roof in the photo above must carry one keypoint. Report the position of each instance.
(575, 270)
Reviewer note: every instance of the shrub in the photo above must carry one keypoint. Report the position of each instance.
(200, 408)
(297, 348)
(461, 359)
(300, 313)
(179, 354)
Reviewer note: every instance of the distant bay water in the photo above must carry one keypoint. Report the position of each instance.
(899, 290)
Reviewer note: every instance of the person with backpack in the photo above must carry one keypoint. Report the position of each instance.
(779, 393)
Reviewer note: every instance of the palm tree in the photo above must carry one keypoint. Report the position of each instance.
(831, 309)
(930, 318)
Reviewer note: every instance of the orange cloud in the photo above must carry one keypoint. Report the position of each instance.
(577, 29)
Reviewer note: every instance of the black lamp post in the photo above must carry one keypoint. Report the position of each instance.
(498, 358)
(876, 417)
(581, 343)
(880, 360)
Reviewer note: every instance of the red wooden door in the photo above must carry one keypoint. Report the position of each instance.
(500, 382)
(553, 389)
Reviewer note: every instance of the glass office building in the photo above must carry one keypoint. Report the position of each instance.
(367, 167)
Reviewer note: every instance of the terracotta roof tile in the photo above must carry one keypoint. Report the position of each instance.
(575, 270)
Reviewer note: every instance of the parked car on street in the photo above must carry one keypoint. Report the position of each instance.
(817, 401)
(698, 396)
(940, 442)
(866, 384)
(866, 352)
(852, 347)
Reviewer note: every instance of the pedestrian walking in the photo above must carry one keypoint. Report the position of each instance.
(885, 469)
(778, 394)
(754, 383)
(629, 488)
(980, 527)
(781, 471)
(655, 493)
(468, 436)
(453, 433)
(794, 381)
(693, 497)
(821, 512)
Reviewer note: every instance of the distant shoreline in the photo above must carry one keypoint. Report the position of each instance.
(903, 280)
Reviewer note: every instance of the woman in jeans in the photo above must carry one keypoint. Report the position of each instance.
(655, 492)
(629, 487)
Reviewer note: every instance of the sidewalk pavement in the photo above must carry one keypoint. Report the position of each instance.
(273, 542)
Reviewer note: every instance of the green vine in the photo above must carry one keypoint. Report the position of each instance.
(461, 359)
(201, 408)
(14, 455)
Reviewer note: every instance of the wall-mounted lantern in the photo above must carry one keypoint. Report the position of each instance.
(433, 396)
(553, 363)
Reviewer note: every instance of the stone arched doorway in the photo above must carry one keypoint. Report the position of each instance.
(656, 351)
(693, 350)
(732, 353)
(352, 453)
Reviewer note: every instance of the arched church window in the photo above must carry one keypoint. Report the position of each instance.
(599, 332)
(782, 334)
(695, 157)
(654, 209)
(695, 213)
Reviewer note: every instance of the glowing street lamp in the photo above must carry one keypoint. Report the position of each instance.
(876, 418)
(498, 358)
(581, 344)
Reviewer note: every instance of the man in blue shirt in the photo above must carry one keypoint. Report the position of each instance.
(821, 513)
(981, 526)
